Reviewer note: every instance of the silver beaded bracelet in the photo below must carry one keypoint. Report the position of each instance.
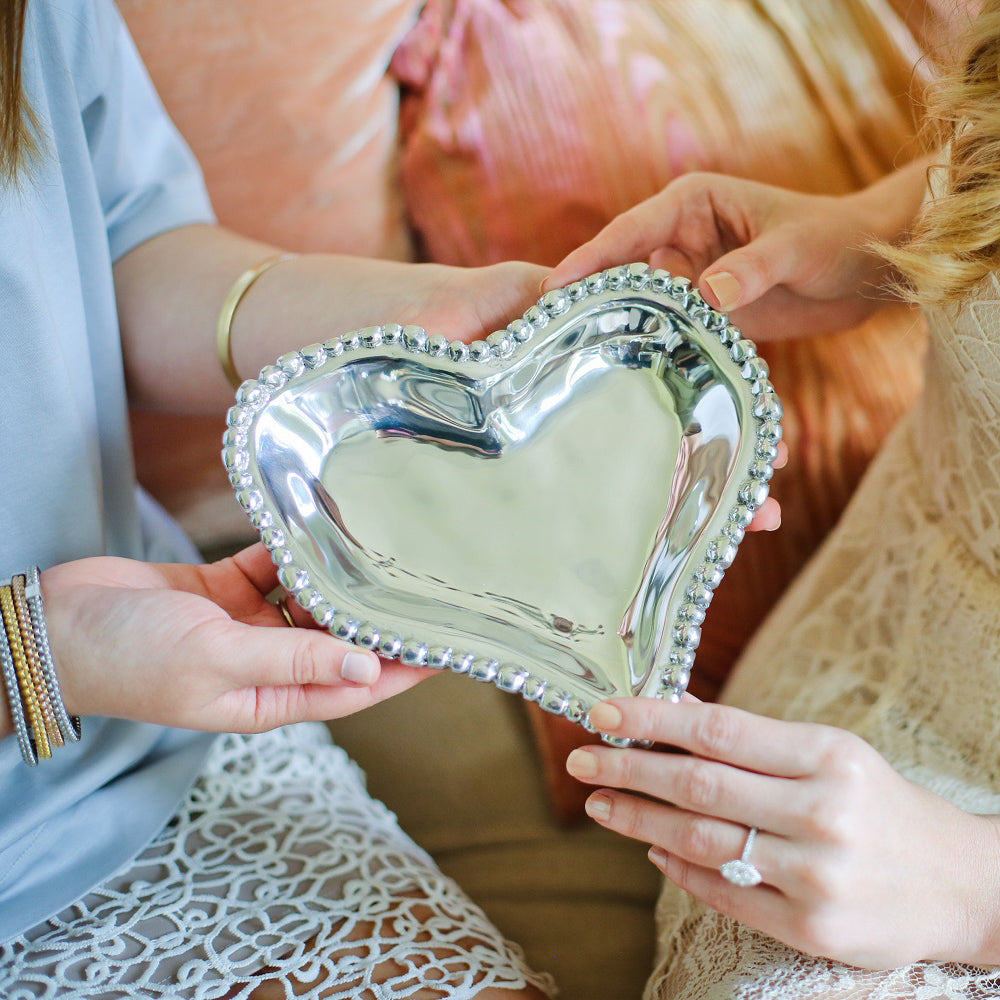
(14, 701)
(69, 725)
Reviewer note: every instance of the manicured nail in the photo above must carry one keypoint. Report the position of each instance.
(582, 763)
(598, 807)
(726, 288)
(605, 717)
(658, 856)
(359, 669)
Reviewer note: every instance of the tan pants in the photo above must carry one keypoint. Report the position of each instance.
(456, 761)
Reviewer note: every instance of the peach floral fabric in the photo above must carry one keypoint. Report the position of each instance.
(290, 112)
(527, 124)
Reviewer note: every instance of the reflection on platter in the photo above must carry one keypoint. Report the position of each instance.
(548, 510)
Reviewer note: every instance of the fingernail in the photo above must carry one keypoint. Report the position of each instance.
(541, 285)
(777, 524)
(598, 807)
(582, 763)
(726, 289)
(658, 856)
(605, 717)
(359, 669)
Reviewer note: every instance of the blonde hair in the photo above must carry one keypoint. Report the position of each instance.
(955, 242)
(18, 126)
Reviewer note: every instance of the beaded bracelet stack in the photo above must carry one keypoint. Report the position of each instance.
(29, 674)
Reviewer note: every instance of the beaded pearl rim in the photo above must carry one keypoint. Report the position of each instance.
(500, 347)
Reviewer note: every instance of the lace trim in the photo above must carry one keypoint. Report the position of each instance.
(712, 957)
(279, 867)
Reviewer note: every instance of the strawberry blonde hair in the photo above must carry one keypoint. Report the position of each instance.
(17, 122)
(955, 241)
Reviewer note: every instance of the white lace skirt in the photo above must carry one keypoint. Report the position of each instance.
(278, 867)
(860, 641)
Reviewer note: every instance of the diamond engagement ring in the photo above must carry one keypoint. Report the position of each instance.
(740, 871)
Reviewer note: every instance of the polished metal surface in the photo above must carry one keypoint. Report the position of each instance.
(549, 509)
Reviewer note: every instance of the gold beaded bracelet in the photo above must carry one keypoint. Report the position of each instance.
(224, 326)
(25, 686)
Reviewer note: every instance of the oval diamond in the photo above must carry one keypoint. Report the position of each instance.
(741, 873)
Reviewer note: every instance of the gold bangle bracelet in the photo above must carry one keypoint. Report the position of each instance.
(32, 708)
(224, 327)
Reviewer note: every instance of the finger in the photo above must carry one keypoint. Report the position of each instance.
(767, 517)
(255, 563)
(694, 784)
(497, 292)
(695, 839)
(679, 263)
(300, 618)
(719, 732)
(631, 236)
(744, 275)
(760, 906)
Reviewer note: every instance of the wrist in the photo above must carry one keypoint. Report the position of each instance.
(224, 323)
(982, 938)
(67, 636)
(6, 722)
(887, 209)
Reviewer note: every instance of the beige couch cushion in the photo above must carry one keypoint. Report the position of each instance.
(290, 111)
(456, 761)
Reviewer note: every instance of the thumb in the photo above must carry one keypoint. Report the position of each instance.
(276, 676)
(746, 274)
(631, 236)
(300, 657)
(583, 261)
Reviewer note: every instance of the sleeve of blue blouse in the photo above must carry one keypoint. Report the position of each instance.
(148, 179)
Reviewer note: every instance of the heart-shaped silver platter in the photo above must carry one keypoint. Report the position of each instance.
(548, 510)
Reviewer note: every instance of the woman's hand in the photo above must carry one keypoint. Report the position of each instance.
(465, 303)
(783, 263)
(858, 864)
(199, 647)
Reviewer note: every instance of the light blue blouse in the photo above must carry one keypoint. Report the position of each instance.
(113, 173)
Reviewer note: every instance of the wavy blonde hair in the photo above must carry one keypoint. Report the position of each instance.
(955, 242)
(18, 127)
